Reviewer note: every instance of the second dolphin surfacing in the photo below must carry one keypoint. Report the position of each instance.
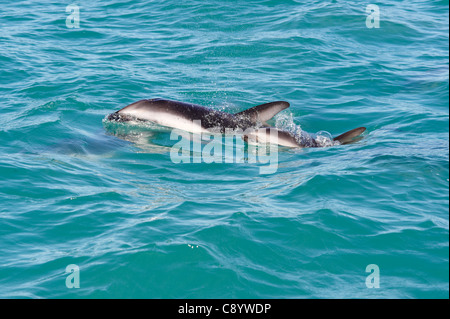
(197, 119)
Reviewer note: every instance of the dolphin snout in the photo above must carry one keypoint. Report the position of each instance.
(118, 117)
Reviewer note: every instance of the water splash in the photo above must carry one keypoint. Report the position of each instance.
(325, 139)
(285, 122)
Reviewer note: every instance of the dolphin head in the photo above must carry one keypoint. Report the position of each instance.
(134, 110)
(271, 135)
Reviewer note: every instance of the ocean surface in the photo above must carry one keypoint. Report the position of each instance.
(102, 206)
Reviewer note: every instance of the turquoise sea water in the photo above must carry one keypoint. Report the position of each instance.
(75, 189)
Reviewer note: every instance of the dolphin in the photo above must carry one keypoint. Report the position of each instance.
(198, 119)
(274, 135)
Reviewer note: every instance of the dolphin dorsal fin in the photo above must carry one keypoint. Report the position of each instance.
(349, 137)
(263, 112)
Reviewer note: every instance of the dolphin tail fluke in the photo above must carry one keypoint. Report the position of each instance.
(350, 136)
(264, 112)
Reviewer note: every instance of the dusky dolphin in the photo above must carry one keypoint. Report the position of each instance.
(197, 119)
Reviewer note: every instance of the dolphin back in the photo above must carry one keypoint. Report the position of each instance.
(264, 112)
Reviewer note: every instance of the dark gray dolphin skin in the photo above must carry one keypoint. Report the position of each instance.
(196, 118)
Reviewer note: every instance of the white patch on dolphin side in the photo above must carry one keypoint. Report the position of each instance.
(269, 136)
(167, 119)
